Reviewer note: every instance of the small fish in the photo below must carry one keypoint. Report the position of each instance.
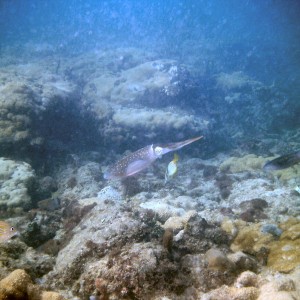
(143, 158)
(172, 168)
(282, 162)
(6, 231)
(297, 189)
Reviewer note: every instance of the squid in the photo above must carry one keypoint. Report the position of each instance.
(141, 159)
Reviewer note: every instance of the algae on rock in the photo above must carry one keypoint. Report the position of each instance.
(240, 164)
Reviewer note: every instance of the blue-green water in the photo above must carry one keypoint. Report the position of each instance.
(85, 83)
(260, 38)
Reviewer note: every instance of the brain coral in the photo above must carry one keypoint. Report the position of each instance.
(16, 106)
(15, 180)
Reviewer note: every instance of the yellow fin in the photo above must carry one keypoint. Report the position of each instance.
(176, 158)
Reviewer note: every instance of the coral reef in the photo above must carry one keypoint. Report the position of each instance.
(152, 78)
(220, 229)
(137, 96)
(121, 245)
(152, 119)
(234, 81)
(26, 92)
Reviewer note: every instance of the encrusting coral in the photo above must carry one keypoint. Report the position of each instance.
(280, 253)
(287, 174)
(284, 253)
(241, 164)
(18, 286)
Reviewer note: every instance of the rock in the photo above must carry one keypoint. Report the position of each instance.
(109, 193)
(16, 183)
(276, 296)
(137, 279)
(179, 222)
(75, 211)
(291, 229)
(46, 186)
(203, 277)
(272, 229)
(42, 227)
(224, 183)
(51, 296)
(234, 81)
(139, 97)
(133, 272)
(253, 210)
(209, 171)
(243, 261)
(287, 285)
(50, 204)
(187, 202)
(257, 204)
(35, 292)
(163, 210)
(217, 260)
(247, 279)
(80, 182)
(252, 215)
(17, 254)
(143, 82)
(167, 240)
(101, 228)
(270, 291)
(229, 227)
(226, 293)
(153, 119)
(131, 187)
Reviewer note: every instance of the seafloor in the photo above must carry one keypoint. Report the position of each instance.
(222, 228)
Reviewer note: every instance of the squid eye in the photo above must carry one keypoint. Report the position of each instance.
(12, 228)
(158, 150)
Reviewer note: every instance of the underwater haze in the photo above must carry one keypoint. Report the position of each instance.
(259, 37)
(150, 149)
